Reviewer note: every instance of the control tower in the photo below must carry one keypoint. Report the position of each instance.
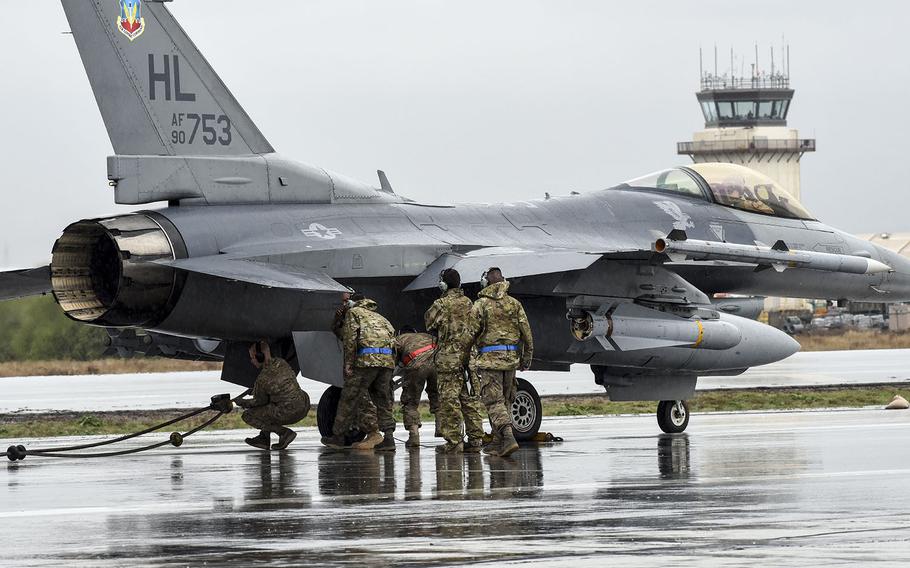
(746, 122)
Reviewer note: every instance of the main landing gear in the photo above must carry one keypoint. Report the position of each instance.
(526, 411)
(325, 416)
(673, 416)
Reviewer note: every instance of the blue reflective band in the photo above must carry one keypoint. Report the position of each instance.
(374, 351)
(490, 348)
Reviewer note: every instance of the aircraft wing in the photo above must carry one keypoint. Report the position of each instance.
(513, 262)
(27, 282)
(260, 273)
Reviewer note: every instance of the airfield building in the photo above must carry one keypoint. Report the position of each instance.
(746, 124)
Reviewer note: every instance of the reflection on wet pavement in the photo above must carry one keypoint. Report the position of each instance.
(780, 488)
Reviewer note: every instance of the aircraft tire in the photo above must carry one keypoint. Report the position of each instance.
(325, 415)
(527, 412)
(669, 419)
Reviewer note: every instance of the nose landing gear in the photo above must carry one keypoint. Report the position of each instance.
(672, 416)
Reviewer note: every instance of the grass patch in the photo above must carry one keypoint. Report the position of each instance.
(852, 339)
(26, 426)
(111, 366)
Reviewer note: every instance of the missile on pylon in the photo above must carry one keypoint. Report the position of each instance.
(780, 257)
(629, 327)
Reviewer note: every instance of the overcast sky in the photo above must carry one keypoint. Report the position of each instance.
(475, 100)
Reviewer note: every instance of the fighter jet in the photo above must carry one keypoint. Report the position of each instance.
(244, 243)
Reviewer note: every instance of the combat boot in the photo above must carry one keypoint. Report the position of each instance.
(492, 447)
(413, 437)
(450, 448)
(438, 432)
(336, 442)
(473, 446)
(508, 444)
(387, 444)
(368, 443)
(261, 441)
(285, 437)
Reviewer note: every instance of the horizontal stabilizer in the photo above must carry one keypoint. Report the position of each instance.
(28, 282)
(513, 262)
(259, 273)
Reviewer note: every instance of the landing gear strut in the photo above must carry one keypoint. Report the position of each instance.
(672, 416)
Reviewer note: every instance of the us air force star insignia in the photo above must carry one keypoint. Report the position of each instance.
(320, 231)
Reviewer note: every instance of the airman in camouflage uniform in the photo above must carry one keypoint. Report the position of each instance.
(366, 420)
(276, 400)
(368, 366)
(415, 359)
(450, 318)
(504, 343)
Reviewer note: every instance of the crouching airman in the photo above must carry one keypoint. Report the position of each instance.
(276, 399)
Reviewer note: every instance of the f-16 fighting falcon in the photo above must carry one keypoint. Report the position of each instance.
(241, 243)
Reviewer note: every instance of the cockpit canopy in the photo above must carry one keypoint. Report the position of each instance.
(726, 184)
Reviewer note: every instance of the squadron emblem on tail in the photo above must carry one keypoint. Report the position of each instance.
(131, 23)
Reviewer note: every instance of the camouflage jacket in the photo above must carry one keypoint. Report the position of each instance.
(408, 343)
(277, 384)
(450, 319)
(499, 319)
(365, 328)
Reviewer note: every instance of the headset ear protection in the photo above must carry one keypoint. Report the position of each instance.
(260, 356)
(443, 287)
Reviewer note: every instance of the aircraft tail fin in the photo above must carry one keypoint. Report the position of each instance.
(156, 92)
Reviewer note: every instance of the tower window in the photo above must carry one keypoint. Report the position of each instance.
(745, 109)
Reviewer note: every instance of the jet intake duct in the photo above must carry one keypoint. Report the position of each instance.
(102, 271)
(631, 327)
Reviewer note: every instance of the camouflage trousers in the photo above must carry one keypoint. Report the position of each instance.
(273, 418)
(497, 391)
(366, 420)
(377, 381)
(412, 387)
(457, 407)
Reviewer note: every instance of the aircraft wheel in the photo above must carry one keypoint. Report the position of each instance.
(526, 411)
(673, 416)
(325, 415)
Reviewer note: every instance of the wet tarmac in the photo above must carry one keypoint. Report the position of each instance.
(149, 391)
(783, 488)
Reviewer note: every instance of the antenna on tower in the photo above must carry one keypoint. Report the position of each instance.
(788, 62)
(701, 67)
(772, 62)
